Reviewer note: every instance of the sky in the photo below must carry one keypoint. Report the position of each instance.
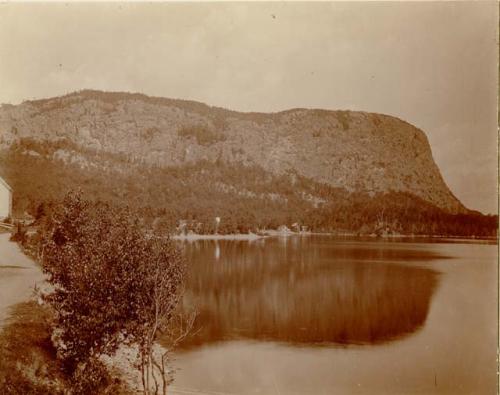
(433, 64)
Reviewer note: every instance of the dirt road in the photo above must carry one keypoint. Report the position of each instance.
(18, 275)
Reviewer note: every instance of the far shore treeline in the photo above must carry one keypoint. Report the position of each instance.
(245, 198)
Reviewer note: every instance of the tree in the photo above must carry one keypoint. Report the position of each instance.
(160, 293)
(112, 285)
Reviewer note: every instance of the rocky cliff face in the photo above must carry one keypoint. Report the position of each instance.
(356, 151)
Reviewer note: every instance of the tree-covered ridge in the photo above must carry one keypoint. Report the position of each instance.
(246, 198)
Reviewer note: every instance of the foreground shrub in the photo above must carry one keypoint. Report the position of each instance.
(112, 285)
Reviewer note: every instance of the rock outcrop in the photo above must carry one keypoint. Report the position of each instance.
(357, 151)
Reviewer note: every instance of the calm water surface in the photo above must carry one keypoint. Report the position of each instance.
(320, 315)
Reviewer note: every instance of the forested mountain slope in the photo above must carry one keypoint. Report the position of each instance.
(174, 159)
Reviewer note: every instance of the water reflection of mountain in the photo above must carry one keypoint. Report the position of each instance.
(306, 290)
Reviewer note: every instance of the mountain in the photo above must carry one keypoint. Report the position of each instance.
(195, 161)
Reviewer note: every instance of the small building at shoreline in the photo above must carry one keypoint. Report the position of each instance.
(5, 200)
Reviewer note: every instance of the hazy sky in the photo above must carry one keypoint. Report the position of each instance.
(431, 64)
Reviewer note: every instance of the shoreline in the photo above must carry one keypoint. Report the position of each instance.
(234, 236)
(273, 233)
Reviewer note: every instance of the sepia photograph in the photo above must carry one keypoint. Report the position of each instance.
(242, 198)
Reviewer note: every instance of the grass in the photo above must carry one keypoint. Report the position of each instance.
(28, 363)
(28, 360)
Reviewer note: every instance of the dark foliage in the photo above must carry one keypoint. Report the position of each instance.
(246, 198)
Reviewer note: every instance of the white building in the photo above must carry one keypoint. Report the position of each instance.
(5, 199)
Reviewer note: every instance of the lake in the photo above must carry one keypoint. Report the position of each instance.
(325, 315)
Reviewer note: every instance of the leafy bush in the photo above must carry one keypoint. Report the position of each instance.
(112, 285)
(91, 377)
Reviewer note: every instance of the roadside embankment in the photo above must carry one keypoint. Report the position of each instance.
(18, 276)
